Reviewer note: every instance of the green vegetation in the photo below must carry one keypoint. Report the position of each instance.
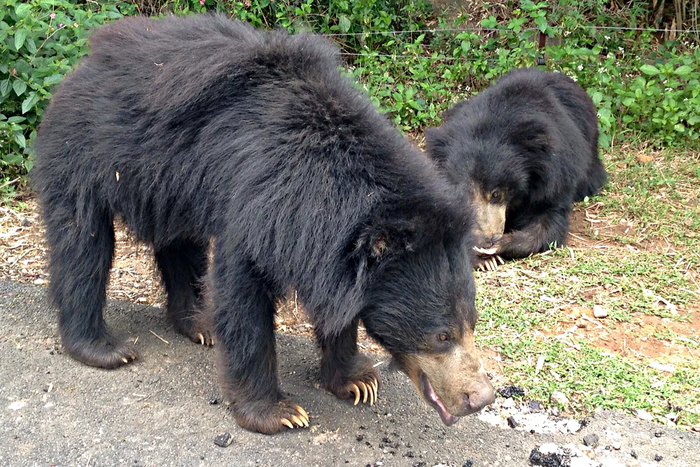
(644, 278)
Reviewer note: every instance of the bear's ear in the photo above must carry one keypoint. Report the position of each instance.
(532, 137)
(436, 140)
(375, 245)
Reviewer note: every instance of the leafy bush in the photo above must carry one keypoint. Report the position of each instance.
(40, 41)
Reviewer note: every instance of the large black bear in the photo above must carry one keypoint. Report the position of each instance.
(197, 128)
(525, 149)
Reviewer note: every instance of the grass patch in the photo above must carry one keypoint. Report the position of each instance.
(637, 259)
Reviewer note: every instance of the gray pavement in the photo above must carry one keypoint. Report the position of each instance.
(157, 411)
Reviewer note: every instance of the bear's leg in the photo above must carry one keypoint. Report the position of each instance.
(545, 228)
(81, 247)
(243, 321)
(183, 265)
(345, 371)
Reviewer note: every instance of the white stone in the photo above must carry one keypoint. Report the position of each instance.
(16, 405)
(583, 462)
(508, 403)
(644, 415)
(610, 462)
(599, 311)
(548, 448)
(573, 425)
(559, 398)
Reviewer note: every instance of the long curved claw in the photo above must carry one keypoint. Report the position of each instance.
(200, 336)
(363, 387)
(287, 423)
(500, 260)
(303, 413)
(356, 390)
(297, 420)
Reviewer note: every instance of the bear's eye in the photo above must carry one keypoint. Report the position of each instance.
(443, 342)
(496, 196)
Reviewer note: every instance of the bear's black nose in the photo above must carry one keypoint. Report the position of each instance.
(479, 398)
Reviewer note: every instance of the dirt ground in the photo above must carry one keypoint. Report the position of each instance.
(134, 278)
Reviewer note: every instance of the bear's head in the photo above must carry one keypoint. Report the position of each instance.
(499, 170)
(419, 305)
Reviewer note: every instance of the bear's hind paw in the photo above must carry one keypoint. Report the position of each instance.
(196, 332)
(105, 352)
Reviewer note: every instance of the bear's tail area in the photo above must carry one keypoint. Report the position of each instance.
(596, 177)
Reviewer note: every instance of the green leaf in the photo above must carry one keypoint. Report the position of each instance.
(541, 23)
(28, 164)
(30, 45)
(53, 79)
(5, 87)
(682, 70)
(597, 97)
(20, 36)
(23, 10)
(489, 23)
(679, 128)
(30, 102)
(19, 138)
(15, 119)
(344, 23)
(649, 70)
(19, 86)
(14, 158)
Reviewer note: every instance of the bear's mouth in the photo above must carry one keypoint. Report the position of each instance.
(433, 399)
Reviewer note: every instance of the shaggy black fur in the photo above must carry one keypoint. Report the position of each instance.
(198, 128)
(531, 141)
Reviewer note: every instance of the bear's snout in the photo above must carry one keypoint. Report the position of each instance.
(480, 397)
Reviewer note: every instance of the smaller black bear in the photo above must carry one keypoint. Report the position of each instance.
(196, 128)
(525, 149)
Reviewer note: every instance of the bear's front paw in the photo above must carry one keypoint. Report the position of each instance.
(270, 417)
(368, 390)
(363, 387)
(487, 259)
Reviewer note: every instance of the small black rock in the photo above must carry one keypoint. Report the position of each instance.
(419, 464)
(658, 457)
(468, 464)
(548, 460)
(224, 440)
(633, 453)
(510, 391)
(360, 438)
(534, 406)
(511, 422)
(591, 440)
(25, 222)
(409, 454)
(658, 434)
(213, 400)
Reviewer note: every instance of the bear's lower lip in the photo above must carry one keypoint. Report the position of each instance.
(432, 398)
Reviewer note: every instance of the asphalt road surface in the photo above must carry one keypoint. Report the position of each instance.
(159, 411)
